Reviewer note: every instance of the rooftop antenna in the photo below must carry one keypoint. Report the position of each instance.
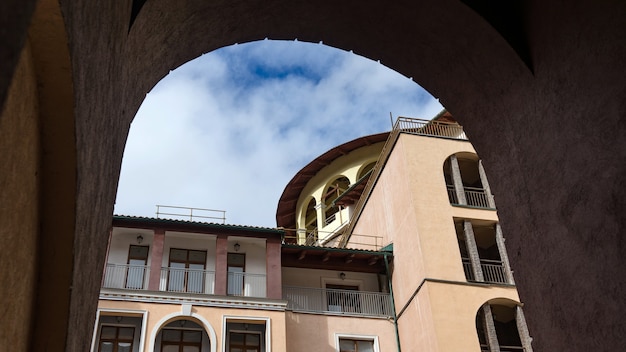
(391, 119)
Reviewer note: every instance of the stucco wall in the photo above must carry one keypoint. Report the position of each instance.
(307, 330)
(19, 202)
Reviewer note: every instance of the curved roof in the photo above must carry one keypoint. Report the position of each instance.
(285, 214)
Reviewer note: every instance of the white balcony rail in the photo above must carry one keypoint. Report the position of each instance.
(246, 284)
(187, 280)
(430, 128)
(132, 277)
(334, 301)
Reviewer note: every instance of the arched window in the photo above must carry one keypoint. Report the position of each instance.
(182, 336)
(334, 190)
(502, 327)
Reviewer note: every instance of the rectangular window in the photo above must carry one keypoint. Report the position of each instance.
(355, 345)
(240, 341)
(116, 339)
(186, 270)
(137, 261)
(236, 263)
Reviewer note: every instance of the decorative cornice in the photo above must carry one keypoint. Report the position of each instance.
(109, 294)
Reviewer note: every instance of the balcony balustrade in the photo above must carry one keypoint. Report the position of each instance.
(493, 271)
(475, 197)
(135, 277)
(187, 280)
(246, 284)
(335, 301)
(430, 128)
(131, 277)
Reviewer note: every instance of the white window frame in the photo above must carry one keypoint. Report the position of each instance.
(125, 312)
(372, 338)
(265, 320)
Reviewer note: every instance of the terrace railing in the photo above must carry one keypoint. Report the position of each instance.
(476, 197)
(430, 128)
(335, 301)
(493, 271)
(246, 284)
(132, 277)
(187, 280)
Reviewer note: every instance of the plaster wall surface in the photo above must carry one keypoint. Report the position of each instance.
(306, 330)
(318, 278)
(19, 202)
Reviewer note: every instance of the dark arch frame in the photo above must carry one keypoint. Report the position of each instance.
(562, 96)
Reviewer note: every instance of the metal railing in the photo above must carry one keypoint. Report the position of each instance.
(132, 277)
(187, 280)
(191, 213)
(476, 197)
(430, 128)
(246, 284)
(312, 238)
(334, 301)
(485, 348)
(493, 271)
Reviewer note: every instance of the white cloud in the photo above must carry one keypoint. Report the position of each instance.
(231, 128)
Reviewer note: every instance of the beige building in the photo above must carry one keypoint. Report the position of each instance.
(385, 243)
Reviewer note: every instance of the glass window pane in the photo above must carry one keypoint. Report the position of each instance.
(106, 346)
(191, 349)
(236, 259)
(365, 346)
(179, 255)
(126, 333)
(197, 256)
(108, 332)
(170, 348)
(138, 252)
(192, 336)
(346, 345)
(171, 335)
(236, 338)
(253, 340)
(124, 347)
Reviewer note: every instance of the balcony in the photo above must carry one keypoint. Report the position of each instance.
(246, 285)
(131, 277)
(337, 302)
(430, 128)
(475, 197)
(181, 280)
(187, 280)
(493, 271)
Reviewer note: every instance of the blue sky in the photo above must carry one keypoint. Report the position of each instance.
(229, 129)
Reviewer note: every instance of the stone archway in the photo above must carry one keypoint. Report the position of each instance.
(546, 82)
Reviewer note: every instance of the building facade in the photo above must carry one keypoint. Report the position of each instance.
(384, 243)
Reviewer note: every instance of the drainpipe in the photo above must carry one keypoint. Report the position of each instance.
(393, 303)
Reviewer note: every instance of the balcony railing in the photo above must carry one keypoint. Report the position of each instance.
(187, 280)
(493, 271)
(430, 128)
(246, 284)
(476, 197)
(334, 301)
(485, 348)
(132, 277)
